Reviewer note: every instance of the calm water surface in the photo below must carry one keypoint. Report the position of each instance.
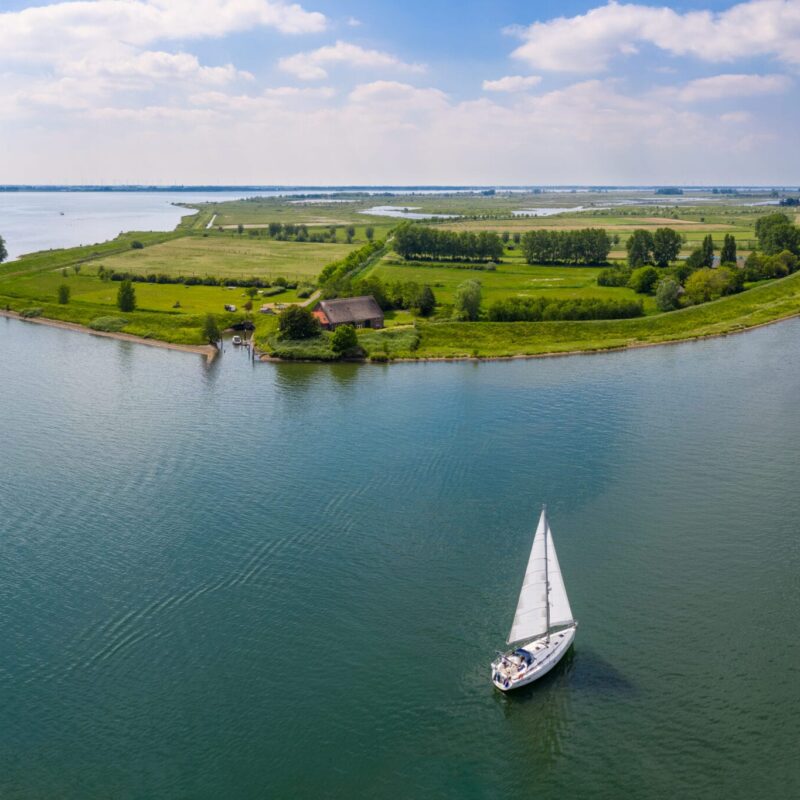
(31, 221)
(280, 581)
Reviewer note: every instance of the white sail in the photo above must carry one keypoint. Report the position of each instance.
(560, 611)
(531, 618)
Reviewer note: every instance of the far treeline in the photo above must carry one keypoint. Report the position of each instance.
(422, 242)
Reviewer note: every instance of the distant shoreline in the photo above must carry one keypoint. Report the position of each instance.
(209, 351)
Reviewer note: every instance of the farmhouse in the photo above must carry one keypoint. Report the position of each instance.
(361, 312)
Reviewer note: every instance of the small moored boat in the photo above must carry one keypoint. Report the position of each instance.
(543, 627)
(236, 339)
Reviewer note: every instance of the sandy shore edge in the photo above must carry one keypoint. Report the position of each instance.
(207, 350)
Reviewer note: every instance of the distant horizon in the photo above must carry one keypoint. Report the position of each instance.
(222, 187)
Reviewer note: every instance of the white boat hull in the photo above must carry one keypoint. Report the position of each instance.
(511, 671)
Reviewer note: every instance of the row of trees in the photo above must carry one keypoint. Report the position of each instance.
(657, 248)
(395, 295)
(587, 246)
(196, 280)
(536, 309)
(423, 242)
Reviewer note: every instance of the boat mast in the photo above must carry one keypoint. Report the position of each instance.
(546, 576)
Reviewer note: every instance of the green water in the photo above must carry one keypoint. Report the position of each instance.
(283, 581)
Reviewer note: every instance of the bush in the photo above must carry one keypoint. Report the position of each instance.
(709, 284)
(643, 280)
(467, 301)
(297, 322)
(211, 332)
(613, 277)
(538, 309)
(108, 324)
(29, 313)
(63, 294)
(668, 292)
(126, 296)
(344, 339)
(137, 245)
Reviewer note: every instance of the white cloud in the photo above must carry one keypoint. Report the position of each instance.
(720, 87)
(353, 22)
(512, 83)
(312, 65)
(52, 32)
(588, 42)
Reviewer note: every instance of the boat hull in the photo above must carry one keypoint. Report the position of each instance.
(507, 675)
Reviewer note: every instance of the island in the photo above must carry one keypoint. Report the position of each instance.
(451, 275)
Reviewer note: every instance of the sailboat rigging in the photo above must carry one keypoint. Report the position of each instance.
(543, 626)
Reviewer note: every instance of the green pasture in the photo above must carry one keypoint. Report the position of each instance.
(512, 278)
(230, 256)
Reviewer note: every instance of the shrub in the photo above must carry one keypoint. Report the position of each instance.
(344, 339)
(108, 324)
(63, 294)
(709, 284)
(137, 245)
(211, 331)
(643, 280)
(126, 296)
(613, 277)
(29, 313)
(667, 294)
(538, 309)
(297, 322)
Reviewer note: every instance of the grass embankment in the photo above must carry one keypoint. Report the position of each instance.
(761, 304)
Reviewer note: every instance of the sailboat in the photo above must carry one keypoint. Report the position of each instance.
(543, 627)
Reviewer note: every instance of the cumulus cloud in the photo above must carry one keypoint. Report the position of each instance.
(312, 65)
(588, 42)
(59, 29)
(721, 87)
(512, 83)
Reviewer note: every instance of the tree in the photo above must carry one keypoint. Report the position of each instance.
(350, 231)
(211, 332)
(765, 224)
(505, 236)
(251, 291)
(517, 237)
(369, 232)
(707, 249)
(63, 294)
(240, 228)
(427, 301)
(297, 322)
(126, 296)
(666, 246)
(640, 248)
(344, 339)
(667, 293)
(77, 268)
(696, 259)
(709, 284)
(643, 280)
(728, 253)
(467, 301)
(3, 251)
(248, 306)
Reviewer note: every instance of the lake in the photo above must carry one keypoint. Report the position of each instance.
(289, 580)
(31, 221)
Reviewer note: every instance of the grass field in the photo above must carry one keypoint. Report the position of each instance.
(512, 278)
(231, 256)
(767, 302)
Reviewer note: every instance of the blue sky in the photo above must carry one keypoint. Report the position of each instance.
(260, 91)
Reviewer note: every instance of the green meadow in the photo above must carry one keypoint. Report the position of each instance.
(174, 312)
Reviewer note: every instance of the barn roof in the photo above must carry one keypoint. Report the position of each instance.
(350, 309)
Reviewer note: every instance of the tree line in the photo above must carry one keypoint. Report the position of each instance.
(423, 242)
(586, 246)
(538, 309)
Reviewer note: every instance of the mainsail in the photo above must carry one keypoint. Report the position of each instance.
(532, 618)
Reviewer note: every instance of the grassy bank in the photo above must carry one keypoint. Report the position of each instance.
(761, 304)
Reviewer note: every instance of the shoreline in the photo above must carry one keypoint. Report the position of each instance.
(209, 351)
(266, 358)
